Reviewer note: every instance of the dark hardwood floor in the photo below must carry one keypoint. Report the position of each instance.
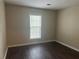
(52, 50)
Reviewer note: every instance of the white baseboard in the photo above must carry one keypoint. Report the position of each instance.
(24, 44)
(30, 43)
(5, 53)
(68, 46)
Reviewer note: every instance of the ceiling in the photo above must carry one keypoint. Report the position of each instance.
(55, 4)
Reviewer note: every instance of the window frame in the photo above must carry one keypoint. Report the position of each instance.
(36, 26)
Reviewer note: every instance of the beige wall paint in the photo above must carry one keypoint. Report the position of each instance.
(2, 31)
(18, 24)
(68, 26)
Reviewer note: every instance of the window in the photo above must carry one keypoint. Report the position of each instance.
(35, 27)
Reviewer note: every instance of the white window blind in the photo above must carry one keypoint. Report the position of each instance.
(35, 27)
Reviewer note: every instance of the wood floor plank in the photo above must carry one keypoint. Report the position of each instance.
(51, 50)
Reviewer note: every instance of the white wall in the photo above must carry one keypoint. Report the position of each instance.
(18, 24)
(68, 26)
(2, 31)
